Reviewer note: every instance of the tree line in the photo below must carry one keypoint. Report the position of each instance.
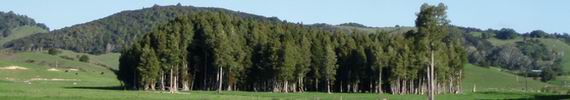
(223, 51)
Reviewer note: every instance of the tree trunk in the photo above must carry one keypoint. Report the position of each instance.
(153, 85)
(328, 86)
(294, 88)
(431, 80)
(300, 84)
(348, 87)
(379, 87)
(185, 82)
(220, 80)
(340, 87)
(317, 84)
(286, 87)
(185, 86)
(355, 87)
(229, 88)
(162, 87)
(192, 80)
(171, 80)
(176, 79)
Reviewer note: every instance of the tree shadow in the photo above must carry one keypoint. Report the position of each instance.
(97, 87)
(533, 97)
(552, 97)
(544, 97)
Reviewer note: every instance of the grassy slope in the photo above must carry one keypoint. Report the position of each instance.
(20, 32)
(109, 59)
(499, 42)
(393, 30)
(87, 72)
(91, 85)
(564, 48)
(553, 44)
(492, 79)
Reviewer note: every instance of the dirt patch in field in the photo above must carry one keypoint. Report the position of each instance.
(9, 79)
(66, 70)
(73, 69)
(53, 69)
(13, 68)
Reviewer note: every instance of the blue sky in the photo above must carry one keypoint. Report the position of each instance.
(521, 15)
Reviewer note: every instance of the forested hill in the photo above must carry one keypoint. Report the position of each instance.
(109, 33)
(14, 26)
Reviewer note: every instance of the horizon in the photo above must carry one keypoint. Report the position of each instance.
(522, 16)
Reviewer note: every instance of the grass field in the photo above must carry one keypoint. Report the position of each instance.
(94, 82)
(62, 91)
(492, 79)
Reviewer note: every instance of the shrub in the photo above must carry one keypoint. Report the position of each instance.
(84, 58)
(54, 51)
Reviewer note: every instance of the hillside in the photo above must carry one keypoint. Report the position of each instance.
(554, 44)
(110, 33)
(493, 79)
(32, 67)
(21, 32)
(14, 26)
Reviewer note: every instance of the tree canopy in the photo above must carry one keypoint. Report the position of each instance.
(225, 51)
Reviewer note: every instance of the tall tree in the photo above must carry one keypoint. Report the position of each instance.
(329, 66)
(148, 68)
(432, 27)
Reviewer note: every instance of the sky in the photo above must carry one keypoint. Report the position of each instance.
(521, 15)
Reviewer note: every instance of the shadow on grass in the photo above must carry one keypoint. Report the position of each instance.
(533, 96)
(97, 88)
(551, 97)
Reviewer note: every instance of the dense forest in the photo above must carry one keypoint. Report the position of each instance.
(110, 33)
(223, 51)
(11, 20)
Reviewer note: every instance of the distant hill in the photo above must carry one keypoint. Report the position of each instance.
(14, 26)
(108, 34)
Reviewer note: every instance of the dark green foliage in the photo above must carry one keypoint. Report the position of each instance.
(228, 51)
(109, 34)
(538, 34)
(353, 25)
(84, 58)
(486, 35)
(506, 33)
(547, 74)
(11, 20)
(54, 51)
